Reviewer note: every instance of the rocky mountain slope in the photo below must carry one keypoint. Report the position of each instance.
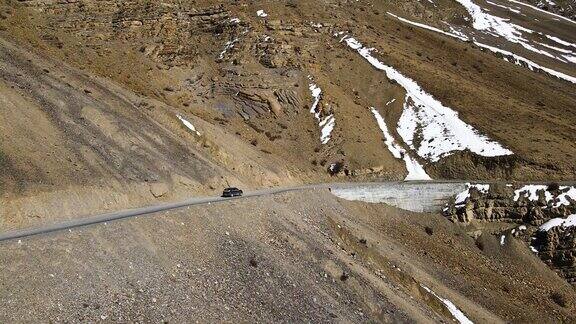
(544, 216)
(291, 257)
(250, 74)
(107, 105)
(565, 8)
(279, 92)
(77, 144)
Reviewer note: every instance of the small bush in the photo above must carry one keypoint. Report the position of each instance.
(3, 159)
(560, 299)
(479, 245)
(553, 187)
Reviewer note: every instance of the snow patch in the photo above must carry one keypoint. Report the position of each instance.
(570, 221)
(516, 11)
(463, 197)
(188, 125)
(516, 59)
(567, 194)
(460, 36)
(229, 45)
(439, 129)
(455, 311)
(327, 123)
(261, 13)
(415, 170)
(500, 27)
(543, 11)
(327, 126)
(519, 60)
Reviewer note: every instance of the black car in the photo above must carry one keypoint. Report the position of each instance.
(232, 192)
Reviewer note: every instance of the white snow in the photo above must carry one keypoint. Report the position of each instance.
(517, 59)
(327, 123)
(332, 167)
(544, 11)
(569, 221)
(396, 150)
(563, 197)
(531, 192)
(457, 313)
(327, 126)
(459, 36)
(316, 93)
(440, 129)
(501, 27)
(504, 7)
(557, 49)
(561, 41)
(415, 170)
(462, 197)
(502, 240)
(228, 46)
(261, 13)
(316, 25)
(188, 125)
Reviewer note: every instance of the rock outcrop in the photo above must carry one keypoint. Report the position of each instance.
(531, 206)
(498, 203)
(170, 31)
(557, 248)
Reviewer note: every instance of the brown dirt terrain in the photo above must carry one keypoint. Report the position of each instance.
(68, 152)
(288, 257)
(153, 50)
(90, 94)
(566, 8)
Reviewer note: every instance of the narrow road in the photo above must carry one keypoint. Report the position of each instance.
(102, 218)
(397, 193)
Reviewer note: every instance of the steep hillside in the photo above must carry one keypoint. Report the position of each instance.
(294, 257)
(566, 8)
(452, 103)
(76, 144)
(107, 105)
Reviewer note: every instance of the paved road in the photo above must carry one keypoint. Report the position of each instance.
(102, 218)
(398, 194)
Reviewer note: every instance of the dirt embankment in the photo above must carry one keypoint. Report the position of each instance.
(289, 257)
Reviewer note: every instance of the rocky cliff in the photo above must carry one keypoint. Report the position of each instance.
(541, 215)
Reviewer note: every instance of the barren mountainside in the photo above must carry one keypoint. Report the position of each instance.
(111, 105)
